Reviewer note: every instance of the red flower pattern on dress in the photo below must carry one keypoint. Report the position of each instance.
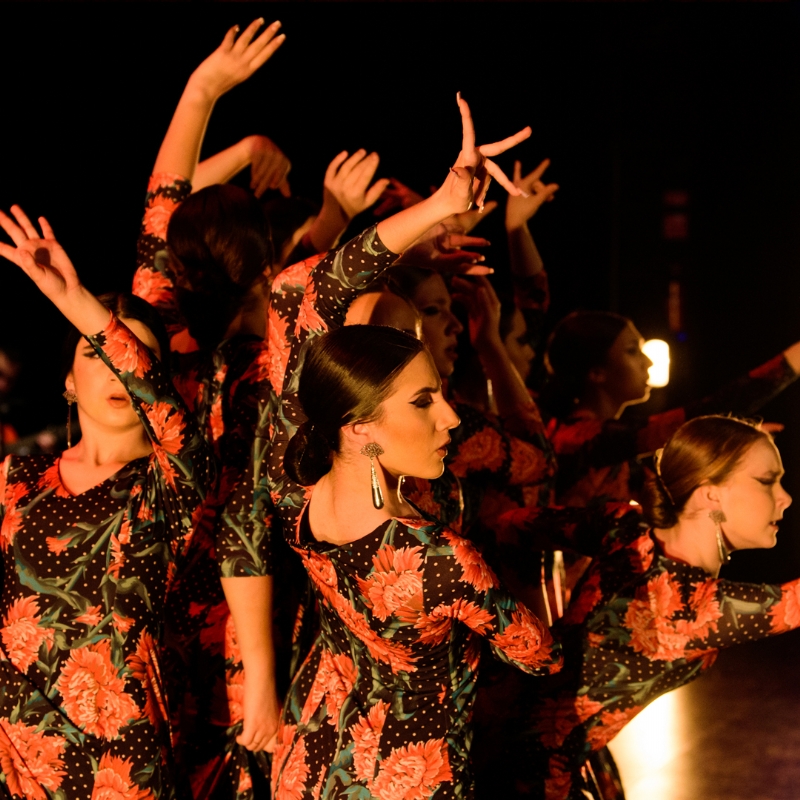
(529, 465)
(163, 180)
(642, 553)
(91, 616)
(293, 770)
(558, 783)
(93, 694)
(705, 605)
(588, 598)
(322, 573)
(527, 640)
(279, 348)
(333, 682)
(396, 579)
(125, 352)
(144, 667)
(560, 716)
(215, 419)
(483, 451)
(569, 437)
(435, 626)
(477, 573)
(609, 725)
(152, 286)
(785, 614)
(118, 557)
(12, 516)
(113, 781)
(413, 772)
(168, 428)
(22, 634)
(157, 216)
(51, 479)
(307, 317)
(218, 635)
(366, 735)
(227, 703)
(30, 760)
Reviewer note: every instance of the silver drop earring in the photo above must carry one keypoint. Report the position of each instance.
(717, 517)
(71, 398)
(373, 450)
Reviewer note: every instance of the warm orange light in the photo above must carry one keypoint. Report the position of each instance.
(657, 351)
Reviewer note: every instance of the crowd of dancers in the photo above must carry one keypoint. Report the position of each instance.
(310, 546)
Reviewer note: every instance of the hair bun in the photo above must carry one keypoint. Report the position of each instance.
(308, 456)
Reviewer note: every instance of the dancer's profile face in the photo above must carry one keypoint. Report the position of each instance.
(101, 395)
(440, 327)
(414, 423)
(625, 369)
(753, 499)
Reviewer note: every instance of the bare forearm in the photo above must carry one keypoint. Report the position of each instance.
(523, 253)
(401, 230)
(180, 150)
(792, 355)
(328, 227)
(250, 603)
(223, 166)
(508, 388)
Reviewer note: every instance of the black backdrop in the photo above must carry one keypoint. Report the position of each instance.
(629, 101)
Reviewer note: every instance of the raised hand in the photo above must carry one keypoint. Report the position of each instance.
(39, 256)
(483, 309)
(269, 167)
(237, 58)
(396, 196)
(347, 182)
(520, 208)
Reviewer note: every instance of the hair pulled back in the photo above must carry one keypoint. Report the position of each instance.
(124, 306)
(346, 376)
(705, 450)
(577, 345)
(219, 244)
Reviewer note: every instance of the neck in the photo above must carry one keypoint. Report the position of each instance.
(101, 446)
(342, 509)
(693, 541)
(601, 405)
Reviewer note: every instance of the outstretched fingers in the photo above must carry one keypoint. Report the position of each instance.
(265, 46)
(15, 233)
(502, 179)
(24, 223)
(246, 37)
(47, 231)
(496, 148)
(467, 125)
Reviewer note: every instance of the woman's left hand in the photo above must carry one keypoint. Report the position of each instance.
(41, 257)
(261, 712)
(483, 309)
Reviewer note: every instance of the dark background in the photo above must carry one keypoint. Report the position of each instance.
(629, 102)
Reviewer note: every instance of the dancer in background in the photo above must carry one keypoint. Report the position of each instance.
(390, 676)
(597, 370)
(651, 612)
(90, 540)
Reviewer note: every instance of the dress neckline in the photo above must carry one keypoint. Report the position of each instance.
(69, 493)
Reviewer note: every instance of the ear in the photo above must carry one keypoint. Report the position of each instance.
(709, 497)
(357, 435)
(69, 382)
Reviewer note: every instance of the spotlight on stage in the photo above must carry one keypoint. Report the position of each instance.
(658, 352)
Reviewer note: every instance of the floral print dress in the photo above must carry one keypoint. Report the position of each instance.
(228, 391)
(603, 460)
(640, 625)
(380, 706)
(82, 712)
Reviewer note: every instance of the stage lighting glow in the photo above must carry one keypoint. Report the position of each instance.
(658, 352)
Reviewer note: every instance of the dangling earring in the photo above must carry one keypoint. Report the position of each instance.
(373, 451)
(718, 517)
(71, 398)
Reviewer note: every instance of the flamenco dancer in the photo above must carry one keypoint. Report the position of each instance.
(651, 613)
(403, 602)
(89, 541)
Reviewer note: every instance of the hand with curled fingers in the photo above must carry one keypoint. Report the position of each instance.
(261, 714)
(396, 196)
(347, 183)
(520, 208)
(269, 167)
(237, 58)
(483, 309)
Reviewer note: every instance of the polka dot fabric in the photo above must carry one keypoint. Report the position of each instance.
(82, 703)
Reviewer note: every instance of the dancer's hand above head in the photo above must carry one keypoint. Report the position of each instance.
(466, 185)
(396, 196)
(483, 309)
(347, 183)
(269, 167)
(45, 262)
(521, 208)
(237, 58)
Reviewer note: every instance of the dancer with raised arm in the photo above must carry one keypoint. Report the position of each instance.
(651, 612)
(90, 540)
(391, 674)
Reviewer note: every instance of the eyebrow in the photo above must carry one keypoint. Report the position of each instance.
(427, 390)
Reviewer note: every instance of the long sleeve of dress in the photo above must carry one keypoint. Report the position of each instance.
(154, 279)
(181, 454)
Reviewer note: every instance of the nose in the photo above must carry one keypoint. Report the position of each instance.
(448, 419)
(647, 360)
(785, 500)
(453, 324)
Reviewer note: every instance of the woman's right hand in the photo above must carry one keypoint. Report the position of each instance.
(236, 59)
